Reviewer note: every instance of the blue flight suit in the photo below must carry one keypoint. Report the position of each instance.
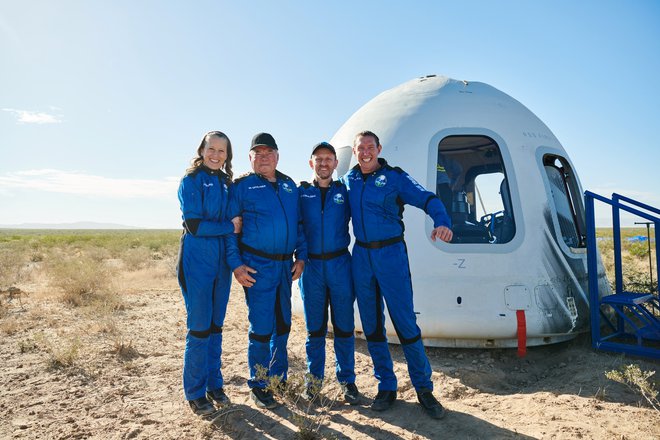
(380, 266)
(271, 232)
(204, 276)
(327, 278)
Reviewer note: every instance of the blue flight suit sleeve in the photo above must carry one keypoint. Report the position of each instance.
(234, 259)
(190, 197)
(415, 194)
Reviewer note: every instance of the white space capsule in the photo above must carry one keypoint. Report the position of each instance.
(518, 254)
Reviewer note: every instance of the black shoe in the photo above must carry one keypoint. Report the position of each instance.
(263, 398)
(201, 407)
(383, 400)
(218, 396)
(351, 393)
(430, 403)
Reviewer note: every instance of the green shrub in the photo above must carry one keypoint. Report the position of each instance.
(308, 416)
(639, 249)
(637, 380)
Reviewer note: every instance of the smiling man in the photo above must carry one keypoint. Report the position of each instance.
(377, 193)
(327, 279)
(261, 259)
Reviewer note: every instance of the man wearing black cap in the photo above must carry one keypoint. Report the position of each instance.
(327, 279)
(261, 259)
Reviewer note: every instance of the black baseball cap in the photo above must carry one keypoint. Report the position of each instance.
(323, 145)
(263, 140)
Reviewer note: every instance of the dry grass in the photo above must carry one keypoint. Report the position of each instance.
(82, 268)
(13, 262)
(9, 326)
(137, 258)
(80, 278)
(125, 351)
(105, 325)
(634, 256)
(61, 354)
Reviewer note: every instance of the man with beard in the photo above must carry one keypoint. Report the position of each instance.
(327, 279)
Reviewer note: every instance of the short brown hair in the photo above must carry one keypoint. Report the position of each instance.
(366, 133)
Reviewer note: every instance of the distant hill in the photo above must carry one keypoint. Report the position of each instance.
(74, 225)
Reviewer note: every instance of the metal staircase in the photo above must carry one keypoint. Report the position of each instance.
(624, 322)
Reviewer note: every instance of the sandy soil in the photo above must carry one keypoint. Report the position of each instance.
(119, 377)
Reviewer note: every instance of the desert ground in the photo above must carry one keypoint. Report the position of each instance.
(104, 361)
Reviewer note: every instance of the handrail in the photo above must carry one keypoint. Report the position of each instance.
(617, 197)
(592, 266)
(616, 204)
(617, 261)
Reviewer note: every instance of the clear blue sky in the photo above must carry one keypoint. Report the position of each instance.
(103, 103)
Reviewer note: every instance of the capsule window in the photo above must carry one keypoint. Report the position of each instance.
(566, 201)
(471, 182)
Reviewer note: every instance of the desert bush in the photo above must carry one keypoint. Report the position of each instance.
(37, 257)
(308, 416)
(105, 324)
(64, 355)
(13, 262)
(136, 258)
(165, 242)
(98, 253)
(170, 263)
(124, 350)
(637, 380)
(9, 326)
(634, 281)
(79, 278)
(27, 346)
(639, 249)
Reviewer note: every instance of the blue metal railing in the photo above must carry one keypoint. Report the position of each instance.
(618, 266)
(619, 203)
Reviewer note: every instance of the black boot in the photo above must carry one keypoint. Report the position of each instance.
(351, 393)
(384, 399)
(201, 407)
(263, 398)
(430, 403)
(218, 397)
